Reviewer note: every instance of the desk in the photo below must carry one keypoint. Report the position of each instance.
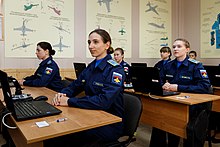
(28, 134)
(216, 104)
(169, 113)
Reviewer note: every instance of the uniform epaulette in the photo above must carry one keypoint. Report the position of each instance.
(169, 61)
(49, 62)
(193, 61)
(112, 62)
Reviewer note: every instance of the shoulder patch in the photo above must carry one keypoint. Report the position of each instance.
(193, 61)
(117, 78)
(48, 71)
(49, 62)
(112, 62)
(203, 73)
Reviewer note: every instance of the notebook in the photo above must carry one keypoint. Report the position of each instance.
(23, 110)
(156, 85)
(79, 67)
(213, 74)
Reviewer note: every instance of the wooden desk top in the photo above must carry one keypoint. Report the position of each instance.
(194, 98)
(77, 119)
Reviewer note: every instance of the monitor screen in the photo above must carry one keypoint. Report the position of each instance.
(213, 74)
(139, 64)
(79, 67)
(140, 79)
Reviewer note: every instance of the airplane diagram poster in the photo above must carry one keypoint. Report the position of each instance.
(210, 29)
(115, 17)
(155, 27)
(28, 22)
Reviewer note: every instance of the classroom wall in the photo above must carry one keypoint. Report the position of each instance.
(185, 23)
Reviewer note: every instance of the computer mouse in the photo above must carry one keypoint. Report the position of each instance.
(41, 98)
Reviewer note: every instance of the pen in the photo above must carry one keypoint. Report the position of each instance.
(61, 119)
(183, 97)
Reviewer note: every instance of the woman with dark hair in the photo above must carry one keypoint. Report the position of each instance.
(192, 55)
(119, 58)
(47, 74)
(102, 81)
(165, 53)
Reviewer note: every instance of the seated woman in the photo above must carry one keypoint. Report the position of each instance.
(119, 58)
(165, 53)
(192, 55)
(184, 75)
(102, 81)
(47, 74)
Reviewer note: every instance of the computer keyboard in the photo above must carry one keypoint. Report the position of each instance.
(26, 109)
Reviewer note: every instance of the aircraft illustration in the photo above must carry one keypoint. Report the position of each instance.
(28, 7)
(60, 45)
(164, 38)
(107, 3)
(24, 45)
(157, 26)
(122, 31)
(152, 8)
(165, 44)
(23, 28)
(58, 12)
(60, 27)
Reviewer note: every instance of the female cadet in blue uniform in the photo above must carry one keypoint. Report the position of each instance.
(102, 81)
(165, 53)
(47, 74)
(119, 58)
(185, 75)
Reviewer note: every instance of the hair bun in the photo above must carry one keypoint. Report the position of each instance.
(52, 52)
(110, 50)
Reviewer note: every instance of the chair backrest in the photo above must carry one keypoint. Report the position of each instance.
(133, 110)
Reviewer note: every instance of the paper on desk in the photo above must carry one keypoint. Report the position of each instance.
(42, 124)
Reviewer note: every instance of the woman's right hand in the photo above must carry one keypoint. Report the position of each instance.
(60, 99)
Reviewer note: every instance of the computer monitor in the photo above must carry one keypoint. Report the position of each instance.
(140, 79)
(79, 67)
(139, 64)
(213, 74)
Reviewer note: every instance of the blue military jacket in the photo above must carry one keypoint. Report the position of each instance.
(103, 87)
(127, 71)
(190, 76)
(161, 64)
(46, 75)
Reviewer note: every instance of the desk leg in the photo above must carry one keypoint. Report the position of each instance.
(165, 115)
(20, 141)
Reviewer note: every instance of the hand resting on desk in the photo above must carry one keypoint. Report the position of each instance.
(60, 99)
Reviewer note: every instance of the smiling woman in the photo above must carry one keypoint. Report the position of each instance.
(102, 81)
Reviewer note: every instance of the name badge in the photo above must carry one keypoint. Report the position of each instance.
(170, 76)
(98, 84)
(185, 77)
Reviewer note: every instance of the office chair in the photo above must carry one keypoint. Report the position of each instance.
(65, 83)
(214, 126)
(133, 110)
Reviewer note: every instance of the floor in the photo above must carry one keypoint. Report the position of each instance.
(143, 138)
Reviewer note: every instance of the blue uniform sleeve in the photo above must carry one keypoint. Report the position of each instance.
(201, 82)
(74, 88)
(110, 90)
(45, 78)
